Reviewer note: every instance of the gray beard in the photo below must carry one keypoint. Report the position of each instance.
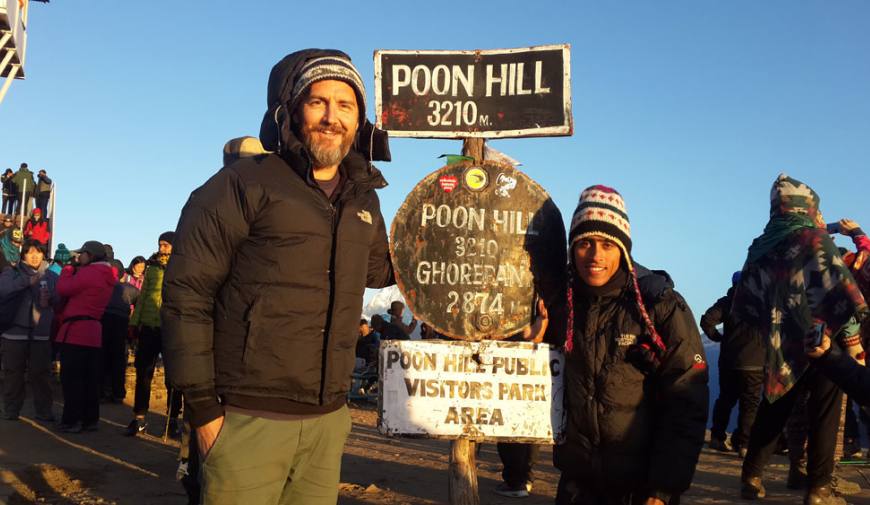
(324, 156)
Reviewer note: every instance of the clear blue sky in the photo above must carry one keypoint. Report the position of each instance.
(688, 108)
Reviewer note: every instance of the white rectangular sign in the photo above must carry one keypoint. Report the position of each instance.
(487, 390)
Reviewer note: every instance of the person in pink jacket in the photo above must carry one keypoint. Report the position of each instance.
(86, 286)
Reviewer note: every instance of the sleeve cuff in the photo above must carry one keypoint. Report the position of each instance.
(831, 356)
(204, 410)
(857, 232)
(661, 495)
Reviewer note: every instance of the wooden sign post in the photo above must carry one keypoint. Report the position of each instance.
(462, 469)
(508, 226)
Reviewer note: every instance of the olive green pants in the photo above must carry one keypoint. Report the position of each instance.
(266, 461)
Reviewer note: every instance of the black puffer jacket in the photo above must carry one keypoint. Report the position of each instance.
(627, 429)
(742, 344)
(264, 289)
(262, 295)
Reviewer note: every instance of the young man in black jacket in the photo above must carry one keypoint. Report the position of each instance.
(741, 372)
(262, 296)
(635, 371)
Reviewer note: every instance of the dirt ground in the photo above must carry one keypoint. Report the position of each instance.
(39, 465)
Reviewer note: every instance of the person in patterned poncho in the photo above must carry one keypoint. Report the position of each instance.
(796, 288)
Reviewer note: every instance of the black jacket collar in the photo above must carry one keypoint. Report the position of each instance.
(360, 175)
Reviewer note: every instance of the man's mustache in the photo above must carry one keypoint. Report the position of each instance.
(328, 129)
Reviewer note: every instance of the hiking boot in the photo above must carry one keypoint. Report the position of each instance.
(182, 470)
(90, 427)
(521, 491)
(842, 486)
(822, 496)
(69, 428)
(136, 427)
(797, 477)
(851, 449)
(719, 445)
(752, 489)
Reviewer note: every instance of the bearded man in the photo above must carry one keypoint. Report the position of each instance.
(262, 296)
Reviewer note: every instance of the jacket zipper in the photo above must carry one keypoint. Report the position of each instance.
(333, 214)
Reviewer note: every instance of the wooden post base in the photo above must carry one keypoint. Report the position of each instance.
(462, 473)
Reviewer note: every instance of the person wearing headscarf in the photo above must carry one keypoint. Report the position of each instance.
(796, 288)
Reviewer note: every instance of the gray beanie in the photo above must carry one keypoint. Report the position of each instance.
(335, 68)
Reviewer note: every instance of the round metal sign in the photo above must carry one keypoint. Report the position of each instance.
(472, 245)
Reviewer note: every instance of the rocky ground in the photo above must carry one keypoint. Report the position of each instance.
(39, 465)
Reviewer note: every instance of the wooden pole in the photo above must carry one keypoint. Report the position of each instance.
(462, 473)
(473, 148)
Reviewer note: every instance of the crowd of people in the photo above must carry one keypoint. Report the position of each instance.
(82, 308)
(20, 190)
(254, 303)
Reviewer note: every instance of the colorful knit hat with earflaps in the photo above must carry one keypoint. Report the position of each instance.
(601, 211)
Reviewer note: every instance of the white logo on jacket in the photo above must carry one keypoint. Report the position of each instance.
(625, 339)
(365, 216)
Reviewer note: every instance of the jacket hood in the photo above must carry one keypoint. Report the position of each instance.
(158, 260)
(789, 196)
(105, 271)
(276, 133)
(653, 283)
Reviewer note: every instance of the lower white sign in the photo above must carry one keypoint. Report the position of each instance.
(486, 390)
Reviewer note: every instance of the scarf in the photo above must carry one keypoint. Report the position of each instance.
(794, 285)
(777, 229)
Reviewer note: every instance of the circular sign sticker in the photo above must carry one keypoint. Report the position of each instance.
(476, 178)
(471, 258)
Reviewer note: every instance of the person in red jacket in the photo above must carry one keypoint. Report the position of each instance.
(86, 287)
(37, 228)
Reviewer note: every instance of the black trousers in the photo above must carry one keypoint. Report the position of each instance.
(42, 203)
(8, 204)
(852, 428)
(80, 379)
(518, 461)
(796, 429)
(570, 492)
(150, 346)
(823, 412)
(190, 452)
(743, 386)
(114, 356)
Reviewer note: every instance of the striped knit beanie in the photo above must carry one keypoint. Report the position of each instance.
(601, 211)
(335, 68)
